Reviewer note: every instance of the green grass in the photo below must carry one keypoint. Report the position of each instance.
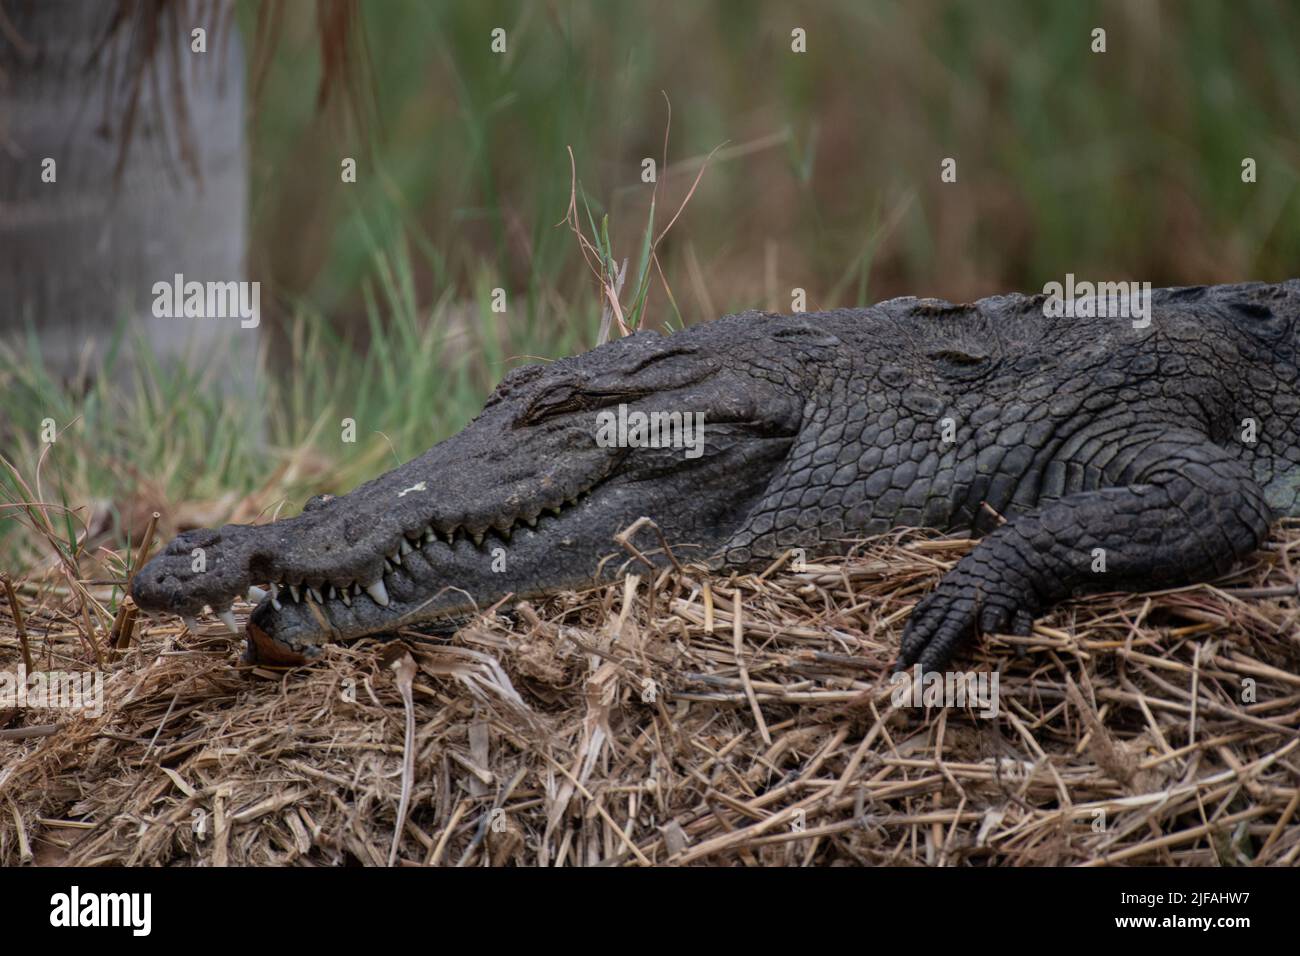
(1125, 163)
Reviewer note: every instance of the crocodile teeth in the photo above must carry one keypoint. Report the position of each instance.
(319, 598)
(404, 547)
(294, 593)
(255, 595)
(429, 535)
(450, 536)
(388, 565)
(227, 618)
(478, 539)
(396, 557)
(555, 510)
(377, 591)
(343, 593)
(532, 521)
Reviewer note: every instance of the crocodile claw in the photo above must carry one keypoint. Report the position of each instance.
(962, 606)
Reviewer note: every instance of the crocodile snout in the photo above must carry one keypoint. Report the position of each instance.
(203, 567)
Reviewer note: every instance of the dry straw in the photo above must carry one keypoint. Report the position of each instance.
(681, 720)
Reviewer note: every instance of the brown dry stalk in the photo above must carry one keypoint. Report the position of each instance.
(19, 628)
(1159, 728)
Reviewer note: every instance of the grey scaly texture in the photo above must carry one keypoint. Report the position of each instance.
(1165, 449)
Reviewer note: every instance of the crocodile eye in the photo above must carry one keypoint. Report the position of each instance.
(558, 400)
(571, 396)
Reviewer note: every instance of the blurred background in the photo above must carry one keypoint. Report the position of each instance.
(817, 170)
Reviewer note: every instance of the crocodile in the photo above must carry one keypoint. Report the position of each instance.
(1085, 453)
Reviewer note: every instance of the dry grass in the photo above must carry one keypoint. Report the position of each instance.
(649, 725)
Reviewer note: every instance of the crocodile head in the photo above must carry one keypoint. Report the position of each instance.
(526, 499)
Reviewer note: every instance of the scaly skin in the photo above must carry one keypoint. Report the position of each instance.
(1085, 436)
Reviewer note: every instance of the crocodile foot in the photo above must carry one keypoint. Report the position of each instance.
(964, 604)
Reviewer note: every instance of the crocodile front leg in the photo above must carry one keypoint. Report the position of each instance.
(1184, 510)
